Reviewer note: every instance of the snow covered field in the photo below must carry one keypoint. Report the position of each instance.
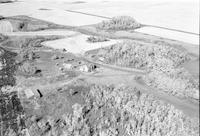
(188, 38)
(73, 42)
(77, 44)
(180, 14)
(177, 14)
(43, 33)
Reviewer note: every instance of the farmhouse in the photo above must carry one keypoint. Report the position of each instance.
(87, 68)
(67, 66)
(84, 68)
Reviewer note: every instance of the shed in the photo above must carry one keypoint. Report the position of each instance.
(84, 68)
(29, 93)
(101, 59)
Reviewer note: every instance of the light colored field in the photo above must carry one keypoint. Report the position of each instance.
(57, 14)
(66, 18)
(42, 33)
(77, 44)
(179, 14)
(73, 42)
(188, 38)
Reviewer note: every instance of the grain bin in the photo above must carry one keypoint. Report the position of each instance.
(5, 26)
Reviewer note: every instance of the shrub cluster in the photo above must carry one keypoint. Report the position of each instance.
(177, 82)
(94, 39)
(132, 54)
(119, 23)
(27, 54)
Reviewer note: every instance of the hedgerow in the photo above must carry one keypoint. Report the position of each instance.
(119, 23)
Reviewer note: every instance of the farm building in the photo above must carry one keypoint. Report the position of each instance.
(87, 68)
(29, 93)
(5, 26)
(101, 59)
(84, 68)
(67, 66)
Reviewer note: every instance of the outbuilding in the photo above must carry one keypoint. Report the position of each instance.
(29, 93)
(87, 67)
(101, 59)
(67, 66)
(84, 68)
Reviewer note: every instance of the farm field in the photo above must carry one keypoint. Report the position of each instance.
(57, 12)
(99, 68)
(77, 44)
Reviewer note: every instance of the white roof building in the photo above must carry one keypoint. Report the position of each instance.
(29, 93)
(67, 66)
(84, 68)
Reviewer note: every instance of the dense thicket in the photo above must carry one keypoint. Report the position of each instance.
(162, 63)
(119, 23)
(118, 111)
(94, 39)
(132, 54)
